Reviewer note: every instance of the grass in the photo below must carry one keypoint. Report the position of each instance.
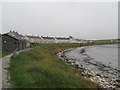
(41, 68)
(98, 42)
(4, 54)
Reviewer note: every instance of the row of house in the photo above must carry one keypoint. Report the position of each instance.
(39, 40)
(12, 41)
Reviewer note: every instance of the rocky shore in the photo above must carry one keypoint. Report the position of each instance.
(103, 81)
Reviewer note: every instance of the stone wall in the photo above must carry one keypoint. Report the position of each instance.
(9, 43)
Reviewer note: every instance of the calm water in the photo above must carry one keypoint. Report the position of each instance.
(104, 54)
(102, 59)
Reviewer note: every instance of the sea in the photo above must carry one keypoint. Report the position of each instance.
(102, 59)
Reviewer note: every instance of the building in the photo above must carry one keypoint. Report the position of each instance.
(16, 35)
(48, 39)
(10, 43)
(73, 40)
(62, 40)
(33, 39)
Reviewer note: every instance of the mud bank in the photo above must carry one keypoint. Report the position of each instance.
(104, 80)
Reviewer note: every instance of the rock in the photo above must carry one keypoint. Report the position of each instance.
(89, 74)
(76, 65)
(105, 76)
(72, 64)
(98, 74)
(103, 81)
(118, 80)
(82, 50)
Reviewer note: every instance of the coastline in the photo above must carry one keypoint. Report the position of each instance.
(42, 60)
(101, 80)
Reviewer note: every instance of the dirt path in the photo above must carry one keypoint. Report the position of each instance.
(4, 62)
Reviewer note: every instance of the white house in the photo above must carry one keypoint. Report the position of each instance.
(62, 40)
(81, 41)
(73, 40)
(48, 39)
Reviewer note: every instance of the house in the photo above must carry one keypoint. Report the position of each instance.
(81, 41)
(48, 39)
(15, 34)
(111, 41)
(19, 36)
(27, 43)
(11, 43)
(29, 38)
(33, 39)
(62, 40)
(73, 40)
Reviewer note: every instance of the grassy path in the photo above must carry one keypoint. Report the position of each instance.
(5, 64)
(41, 68)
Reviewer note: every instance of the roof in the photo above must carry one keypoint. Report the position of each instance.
(32, 36)
(48, 37)
(13, 37)
(10, 36)
(61, 38)
(81, 39)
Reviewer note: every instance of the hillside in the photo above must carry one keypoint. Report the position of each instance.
(41, 68)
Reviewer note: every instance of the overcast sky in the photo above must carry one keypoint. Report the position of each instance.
(84, 20)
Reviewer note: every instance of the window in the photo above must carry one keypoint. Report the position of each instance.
(5, 41)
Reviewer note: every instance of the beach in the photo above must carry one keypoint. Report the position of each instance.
(100, 63)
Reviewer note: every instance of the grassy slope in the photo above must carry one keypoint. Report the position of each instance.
(41, 68)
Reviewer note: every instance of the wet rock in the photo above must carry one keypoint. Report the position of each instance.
(105, 76)
(98, 74)
(72, 64)
(76, 65)
(103, 81)
(82, 50)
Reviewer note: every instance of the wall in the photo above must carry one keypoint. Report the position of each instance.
(9, 43)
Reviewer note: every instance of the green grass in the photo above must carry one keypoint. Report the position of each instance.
(41, 68)
(98, 42)
(4, 54)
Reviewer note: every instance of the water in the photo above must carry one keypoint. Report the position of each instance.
(105, 54)
(102, 59)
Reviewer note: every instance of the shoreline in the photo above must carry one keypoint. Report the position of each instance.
(101, 80)
(42, 60)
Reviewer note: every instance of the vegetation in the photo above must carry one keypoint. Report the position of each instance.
(107, 41)
(4, 54)
(41, 68)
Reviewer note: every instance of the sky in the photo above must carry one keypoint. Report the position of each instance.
(83, 20)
